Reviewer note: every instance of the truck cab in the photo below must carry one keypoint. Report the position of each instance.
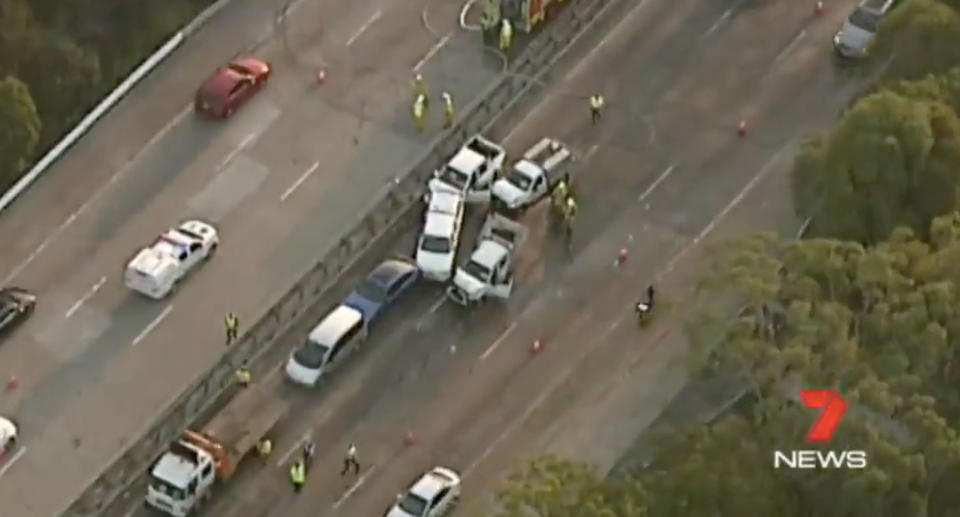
(181, 480)
(470, 171)
(489, 272)
(533, 177)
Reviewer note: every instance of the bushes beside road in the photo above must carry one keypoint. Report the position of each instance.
(58, 58)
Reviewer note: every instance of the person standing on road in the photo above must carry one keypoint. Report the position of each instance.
(351, 461)
(506, 35)
(447, 110)
(420, 113)
(298, 476)
(420, 89)
(596, 105)
(569, 214)
(233, 325)
(308, 450)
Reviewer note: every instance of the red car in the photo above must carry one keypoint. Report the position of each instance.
(230, 86)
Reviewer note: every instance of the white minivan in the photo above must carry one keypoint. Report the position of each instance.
(333, 339)
(437, 246)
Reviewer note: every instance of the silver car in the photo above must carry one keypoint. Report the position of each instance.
(853, 39)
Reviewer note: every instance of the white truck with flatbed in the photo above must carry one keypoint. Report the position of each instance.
(489, 272)
(533, 177)
(471, 171)
(184, 477)
(157, 270)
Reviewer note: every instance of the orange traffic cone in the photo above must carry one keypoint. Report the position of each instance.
(13, 383)
(409, 438)
(322, 76)
(622, 256)
(818, 8)
(742, 128)
(536, 347)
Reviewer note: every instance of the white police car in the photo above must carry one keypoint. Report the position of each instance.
(436, 493)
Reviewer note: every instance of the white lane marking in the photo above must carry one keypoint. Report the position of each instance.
(558, 381)
(16, 457)
(656, 182)
(358, 484)
(153, 324)
(307, 435)
(490, 349)
(83, 299)
(300, 180)
(576, 69)
(716, 25)
(591, 151)
(786, 50)
(433, 50)
(363, 28)
(437, 304)
(103, 188)
(238, 149)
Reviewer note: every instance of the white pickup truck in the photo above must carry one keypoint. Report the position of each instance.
(157, 270)
(489, 272)
(470, 171)
(534, 176)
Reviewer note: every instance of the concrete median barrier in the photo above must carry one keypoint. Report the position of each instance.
(397, 199)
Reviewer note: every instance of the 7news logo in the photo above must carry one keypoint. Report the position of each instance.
(833, 407)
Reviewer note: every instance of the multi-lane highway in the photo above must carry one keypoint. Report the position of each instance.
(281, 179)
(662, 172)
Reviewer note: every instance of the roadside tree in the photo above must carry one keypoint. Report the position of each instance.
(890, 161)
(918, 38)
(19, 128)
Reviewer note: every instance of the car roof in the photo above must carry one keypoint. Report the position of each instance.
(222, 81)
(335, 324)
(446, 201)
(439, 224)
(466, 161)
(388, 271)
(488, 253)
(428, 485)
(173, 467)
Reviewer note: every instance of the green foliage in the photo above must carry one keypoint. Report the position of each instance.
(918, 38)
(71, 54)
(890, 161)
(19, 128)
(880, 323)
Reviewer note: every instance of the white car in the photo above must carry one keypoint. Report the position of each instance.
(433, 495)
(8, 435)
(157, 270)
(440, 238)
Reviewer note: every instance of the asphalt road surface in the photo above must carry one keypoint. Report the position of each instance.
(282, 180)
(659, 175)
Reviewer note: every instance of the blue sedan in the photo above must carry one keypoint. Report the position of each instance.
(382, 288)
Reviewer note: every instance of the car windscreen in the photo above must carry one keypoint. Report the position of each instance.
(210, 97)
(371, 291)
(413, 504)
(522, 181)
(178, 494)
(310, 355)
(190, 234)
(454, 177)
(477, 270)
(239, 69)
(435, 244)
(865, 19)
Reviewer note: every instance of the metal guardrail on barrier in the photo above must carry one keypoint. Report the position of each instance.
(396, 198)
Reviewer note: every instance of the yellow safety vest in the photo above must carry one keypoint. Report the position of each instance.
(297, 474)
(265, 447)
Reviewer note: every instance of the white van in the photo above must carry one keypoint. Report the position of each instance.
(333, 339)
(440, 238)
(854, 37)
